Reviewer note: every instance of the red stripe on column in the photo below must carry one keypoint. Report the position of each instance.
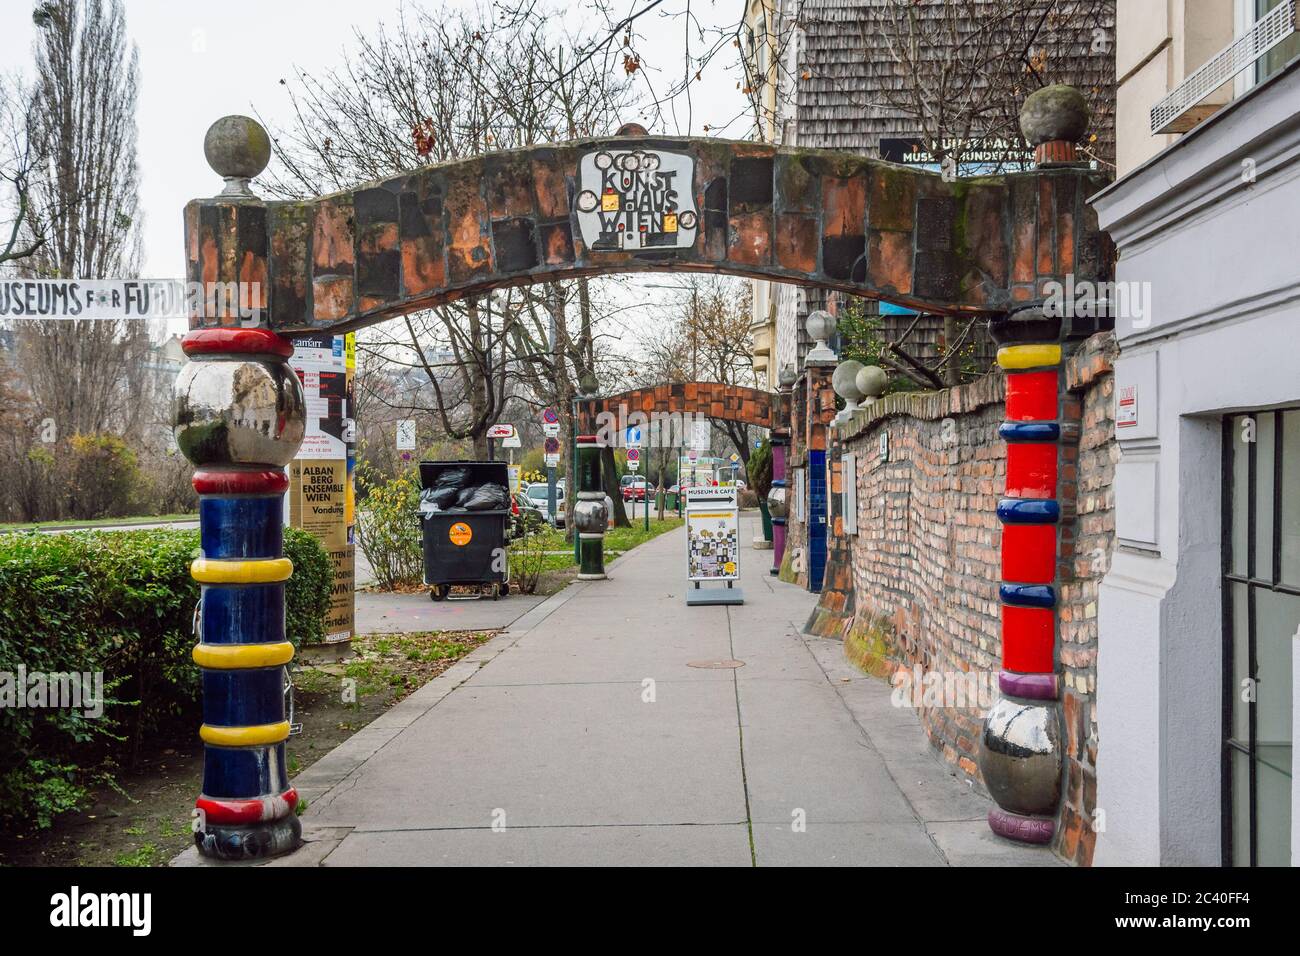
(270, 481)
(236, 812)
(1032, 396)
(1029, 554)
(1031, 470)
(1028, 636)
(236, 342)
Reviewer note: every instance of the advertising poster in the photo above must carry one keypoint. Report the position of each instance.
(712, 535)
(321, 498)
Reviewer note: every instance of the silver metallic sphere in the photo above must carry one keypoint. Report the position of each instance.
(845, 381)
(872, 381)
(237, 147)
(243, 412)
(1020, 756)
(776, 500)
(590, 515)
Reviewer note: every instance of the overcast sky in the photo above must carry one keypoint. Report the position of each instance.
(203, 59)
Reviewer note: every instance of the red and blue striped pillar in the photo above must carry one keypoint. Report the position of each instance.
(239, 418)
(1021, 756)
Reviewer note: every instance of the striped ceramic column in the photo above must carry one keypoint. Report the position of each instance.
(1021, 755)
(239, 419)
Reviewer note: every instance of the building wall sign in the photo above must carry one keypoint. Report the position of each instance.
(636, 200)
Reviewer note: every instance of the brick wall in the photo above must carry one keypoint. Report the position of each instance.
(925, 563)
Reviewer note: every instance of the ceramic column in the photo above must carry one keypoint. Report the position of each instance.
(240, 417)
(1021, 756)
(590, 514)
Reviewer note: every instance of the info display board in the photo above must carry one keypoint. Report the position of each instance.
(712, 534)
(320, 496)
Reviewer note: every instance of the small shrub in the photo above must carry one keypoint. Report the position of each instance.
(388, 528)
(527, 556)
(120, 603)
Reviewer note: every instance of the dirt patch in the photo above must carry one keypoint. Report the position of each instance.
(149, 822)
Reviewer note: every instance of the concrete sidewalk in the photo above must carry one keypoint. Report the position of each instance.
(595, 732)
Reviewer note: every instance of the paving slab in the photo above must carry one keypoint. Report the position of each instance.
(380, 612)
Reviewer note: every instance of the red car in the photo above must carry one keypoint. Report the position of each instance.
(638, 489)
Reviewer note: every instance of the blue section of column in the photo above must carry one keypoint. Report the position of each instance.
(817, 513)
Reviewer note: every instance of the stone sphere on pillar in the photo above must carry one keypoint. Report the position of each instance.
(237, 148)
(1056, 113)
(820, 326)
(872, 381)
(845, 381)
(787, 376)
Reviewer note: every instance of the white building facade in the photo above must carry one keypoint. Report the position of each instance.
(1199, 614)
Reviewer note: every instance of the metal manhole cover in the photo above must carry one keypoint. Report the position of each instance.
(716, 665)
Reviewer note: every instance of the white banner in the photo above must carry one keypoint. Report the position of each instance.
(106, 299)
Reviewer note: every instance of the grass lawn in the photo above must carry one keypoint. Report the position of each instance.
(97, 522)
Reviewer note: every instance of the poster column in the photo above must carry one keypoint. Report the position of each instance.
(321, 499)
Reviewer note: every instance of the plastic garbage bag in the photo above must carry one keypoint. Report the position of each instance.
(487, 497)
(452, 478)
(464, 495)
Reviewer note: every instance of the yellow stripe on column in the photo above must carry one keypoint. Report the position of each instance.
(229, 657)
(245, 736)
(258, 571)
(1029, 356)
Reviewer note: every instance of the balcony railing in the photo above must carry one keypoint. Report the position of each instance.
(1175, 113)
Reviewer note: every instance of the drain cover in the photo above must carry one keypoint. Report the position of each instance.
(716, 665)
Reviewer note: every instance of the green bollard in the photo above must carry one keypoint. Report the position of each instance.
(590, 516)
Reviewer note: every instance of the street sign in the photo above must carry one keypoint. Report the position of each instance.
(551, 460)
(551, 446)
(501, 431)
(512, 442)
(700, 438)
(734, 458)
(633, 454)
(633, 437)
(549, 417)
(633, 464)
(758, 443)
(406, 435)
(550, 430)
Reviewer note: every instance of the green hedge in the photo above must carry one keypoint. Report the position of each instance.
(120, 602)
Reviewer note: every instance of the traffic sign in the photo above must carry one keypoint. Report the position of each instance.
(734, 458)
(551, 446)
(633, 437)
(633, 454)
(551, 460)
(406, 434)
(501, 431)
(549, 417)
(512, 442)
(633, 464)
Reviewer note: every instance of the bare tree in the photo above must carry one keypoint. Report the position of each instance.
(80, 218)
(431, 89)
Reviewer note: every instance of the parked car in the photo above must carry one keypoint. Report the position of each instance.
(537, 494)
(526, 516)
(634, 487)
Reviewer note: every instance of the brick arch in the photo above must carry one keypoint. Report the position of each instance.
(734, 403)
(816, 217)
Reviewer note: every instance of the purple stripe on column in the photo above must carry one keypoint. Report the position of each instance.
(1030, 686)
(1013, 826)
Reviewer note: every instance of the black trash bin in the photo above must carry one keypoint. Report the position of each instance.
(464, 546)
